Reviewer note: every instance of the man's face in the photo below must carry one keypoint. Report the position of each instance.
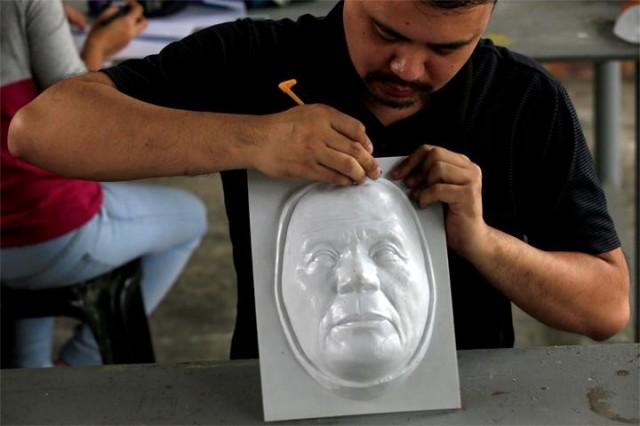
(354, 283)
(405, 49)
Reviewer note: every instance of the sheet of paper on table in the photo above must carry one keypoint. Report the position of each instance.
(163, 30)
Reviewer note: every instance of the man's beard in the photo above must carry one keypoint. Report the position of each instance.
(422, 90)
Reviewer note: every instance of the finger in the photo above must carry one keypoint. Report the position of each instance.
(437, 153)
(106, 13)
(321, 173)
(343, 164)
(440, 192)
(75, 17)
(442, 172)
(355, 150)
(136, 11)
(140, 25)
(352, 129)
(410, 163)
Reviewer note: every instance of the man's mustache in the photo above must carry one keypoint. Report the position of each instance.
(390, 78)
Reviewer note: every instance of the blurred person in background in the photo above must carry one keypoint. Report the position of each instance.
(57, 231)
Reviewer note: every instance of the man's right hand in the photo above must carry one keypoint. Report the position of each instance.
(314, 142)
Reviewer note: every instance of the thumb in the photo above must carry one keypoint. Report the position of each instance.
(106, 13)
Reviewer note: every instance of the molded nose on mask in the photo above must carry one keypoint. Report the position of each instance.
(356, 273)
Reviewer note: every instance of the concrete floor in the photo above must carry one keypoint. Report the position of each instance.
(195, 320)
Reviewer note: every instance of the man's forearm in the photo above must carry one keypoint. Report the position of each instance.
(571, 291)
(85, 128)
(69, 131)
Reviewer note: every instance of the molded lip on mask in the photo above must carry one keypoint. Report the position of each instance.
(364, 319)
(360, 390)
(369, 320)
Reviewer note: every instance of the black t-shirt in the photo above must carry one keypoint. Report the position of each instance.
(501, 110)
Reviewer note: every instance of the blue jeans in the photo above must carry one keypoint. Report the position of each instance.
(161, 225)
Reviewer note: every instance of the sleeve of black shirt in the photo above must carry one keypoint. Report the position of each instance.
(564, 207)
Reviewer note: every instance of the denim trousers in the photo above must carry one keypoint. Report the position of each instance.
(161, 225)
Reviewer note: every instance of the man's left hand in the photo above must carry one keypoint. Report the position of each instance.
(437, 174)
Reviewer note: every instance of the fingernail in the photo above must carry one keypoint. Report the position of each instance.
(369, 144)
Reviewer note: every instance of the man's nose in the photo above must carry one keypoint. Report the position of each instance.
(408, 64)
(356, 273)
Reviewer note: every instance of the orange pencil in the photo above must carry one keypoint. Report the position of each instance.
(286, 86)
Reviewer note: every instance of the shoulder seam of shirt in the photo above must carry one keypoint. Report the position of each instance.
(520, 60)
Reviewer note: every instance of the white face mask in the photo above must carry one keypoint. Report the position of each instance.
(352, 287)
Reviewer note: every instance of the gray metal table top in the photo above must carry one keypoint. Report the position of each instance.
(548, 30)
(564, 30)
(595, 384)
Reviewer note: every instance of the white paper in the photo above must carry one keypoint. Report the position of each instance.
(163, 30)
(229, 4)
(193, 17)
(137, 48)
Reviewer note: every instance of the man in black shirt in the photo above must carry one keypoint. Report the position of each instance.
(486, 131)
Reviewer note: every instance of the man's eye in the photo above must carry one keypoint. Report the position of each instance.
(443, 51)
(384, 34)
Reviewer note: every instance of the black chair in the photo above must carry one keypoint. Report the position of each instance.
(111, 305)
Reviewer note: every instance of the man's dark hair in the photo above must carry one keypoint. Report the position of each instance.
(456, 4)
